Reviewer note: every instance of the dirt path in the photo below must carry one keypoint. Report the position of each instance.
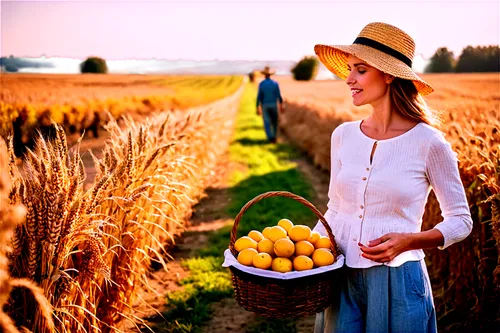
(208, 214)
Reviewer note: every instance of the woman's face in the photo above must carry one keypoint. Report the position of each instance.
(368, 84)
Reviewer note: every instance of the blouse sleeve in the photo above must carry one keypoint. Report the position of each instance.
(335, 164)
(444, 177)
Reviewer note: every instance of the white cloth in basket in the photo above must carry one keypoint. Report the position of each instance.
(230, 260)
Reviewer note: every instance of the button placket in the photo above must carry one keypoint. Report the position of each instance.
(363, 205)
(355, 236)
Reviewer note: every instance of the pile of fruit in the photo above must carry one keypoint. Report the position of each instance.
(284, 248)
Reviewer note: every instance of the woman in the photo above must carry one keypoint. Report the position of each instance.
(382, 170)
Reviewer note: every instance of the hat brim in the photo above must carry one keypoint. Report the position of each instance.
(271, 72)
(335, 58)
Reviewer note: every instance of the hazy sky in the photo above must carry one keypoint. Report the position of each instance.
(232, 30)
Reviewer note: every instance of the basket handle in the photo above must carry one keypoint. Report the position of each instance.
(333, 248)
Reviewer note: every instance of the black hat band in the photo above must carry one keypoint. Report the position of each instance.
(383, 48)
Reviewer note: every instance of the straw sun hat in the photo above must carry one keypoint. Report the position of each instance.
(381, 45)
(268, 71)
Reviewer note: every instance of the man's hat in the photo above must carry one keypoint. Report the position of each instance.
(268, 71)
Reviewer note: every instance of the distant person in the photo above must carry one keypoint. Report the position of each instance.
(268, 102)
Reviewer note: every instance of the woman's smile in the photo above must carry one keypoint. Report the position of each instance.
(355, 92)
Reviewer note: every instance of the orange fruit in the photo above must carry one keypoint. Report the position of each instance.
(276, 233)
(282, 265)
(256, 235)
(262, 260)
(245, 257)
(266, 231)
(244, 242)
(322, 257)
(284, 248)
(315, 236)
(285, 224)
(304, 248)
(323, 242)
(299, 233)
(302, 263)
(266, 245)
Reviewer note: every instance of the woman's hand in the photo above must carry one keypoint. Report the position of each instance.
(387, 247)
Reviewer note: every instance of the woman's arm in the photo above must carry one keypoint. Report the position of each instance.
(444, 176)
(335, 165)
(425, 240)
(389, 246)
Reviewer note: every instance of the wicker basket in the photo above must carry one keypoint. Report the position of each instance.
(278, 298)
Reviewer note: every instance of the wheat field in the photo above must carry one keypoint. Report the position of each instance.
(79, 103)
(86, 250)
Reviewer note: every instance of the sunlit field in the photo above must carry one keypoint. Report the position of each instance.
(84, 102)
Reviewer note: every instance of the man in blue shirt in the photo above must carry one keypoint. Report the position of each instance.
(268, 102)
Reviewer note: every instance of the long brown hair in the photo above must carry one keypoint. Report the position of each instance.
(410, 104)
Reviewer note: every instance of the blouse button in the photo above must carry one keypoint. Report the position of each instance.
(364, 178)
(367, 169)
(360, 216)
(361, 206)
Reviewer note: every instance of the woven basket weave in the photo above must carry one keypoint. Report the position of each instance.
(278, 298)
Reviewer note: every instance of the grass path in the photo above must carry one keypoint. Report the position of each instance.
(204, 302)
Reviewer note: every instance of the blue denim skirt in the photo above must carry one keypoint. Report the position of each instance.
(382, 299)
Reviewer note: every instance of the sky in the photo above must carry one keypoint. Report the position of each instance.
(232, 30)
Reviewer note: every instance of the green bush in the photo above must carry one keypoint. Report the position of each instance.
(94, 65)
(441, 62)
(306, 69)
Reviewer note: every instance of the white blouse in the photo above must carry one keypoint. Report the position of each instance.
(368, 200)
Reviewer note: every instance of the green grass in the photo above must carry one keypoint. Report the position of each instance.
(208, 282)
(265, 167)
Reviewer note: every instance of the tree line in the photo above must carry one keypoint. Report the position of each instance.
(472, 59)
